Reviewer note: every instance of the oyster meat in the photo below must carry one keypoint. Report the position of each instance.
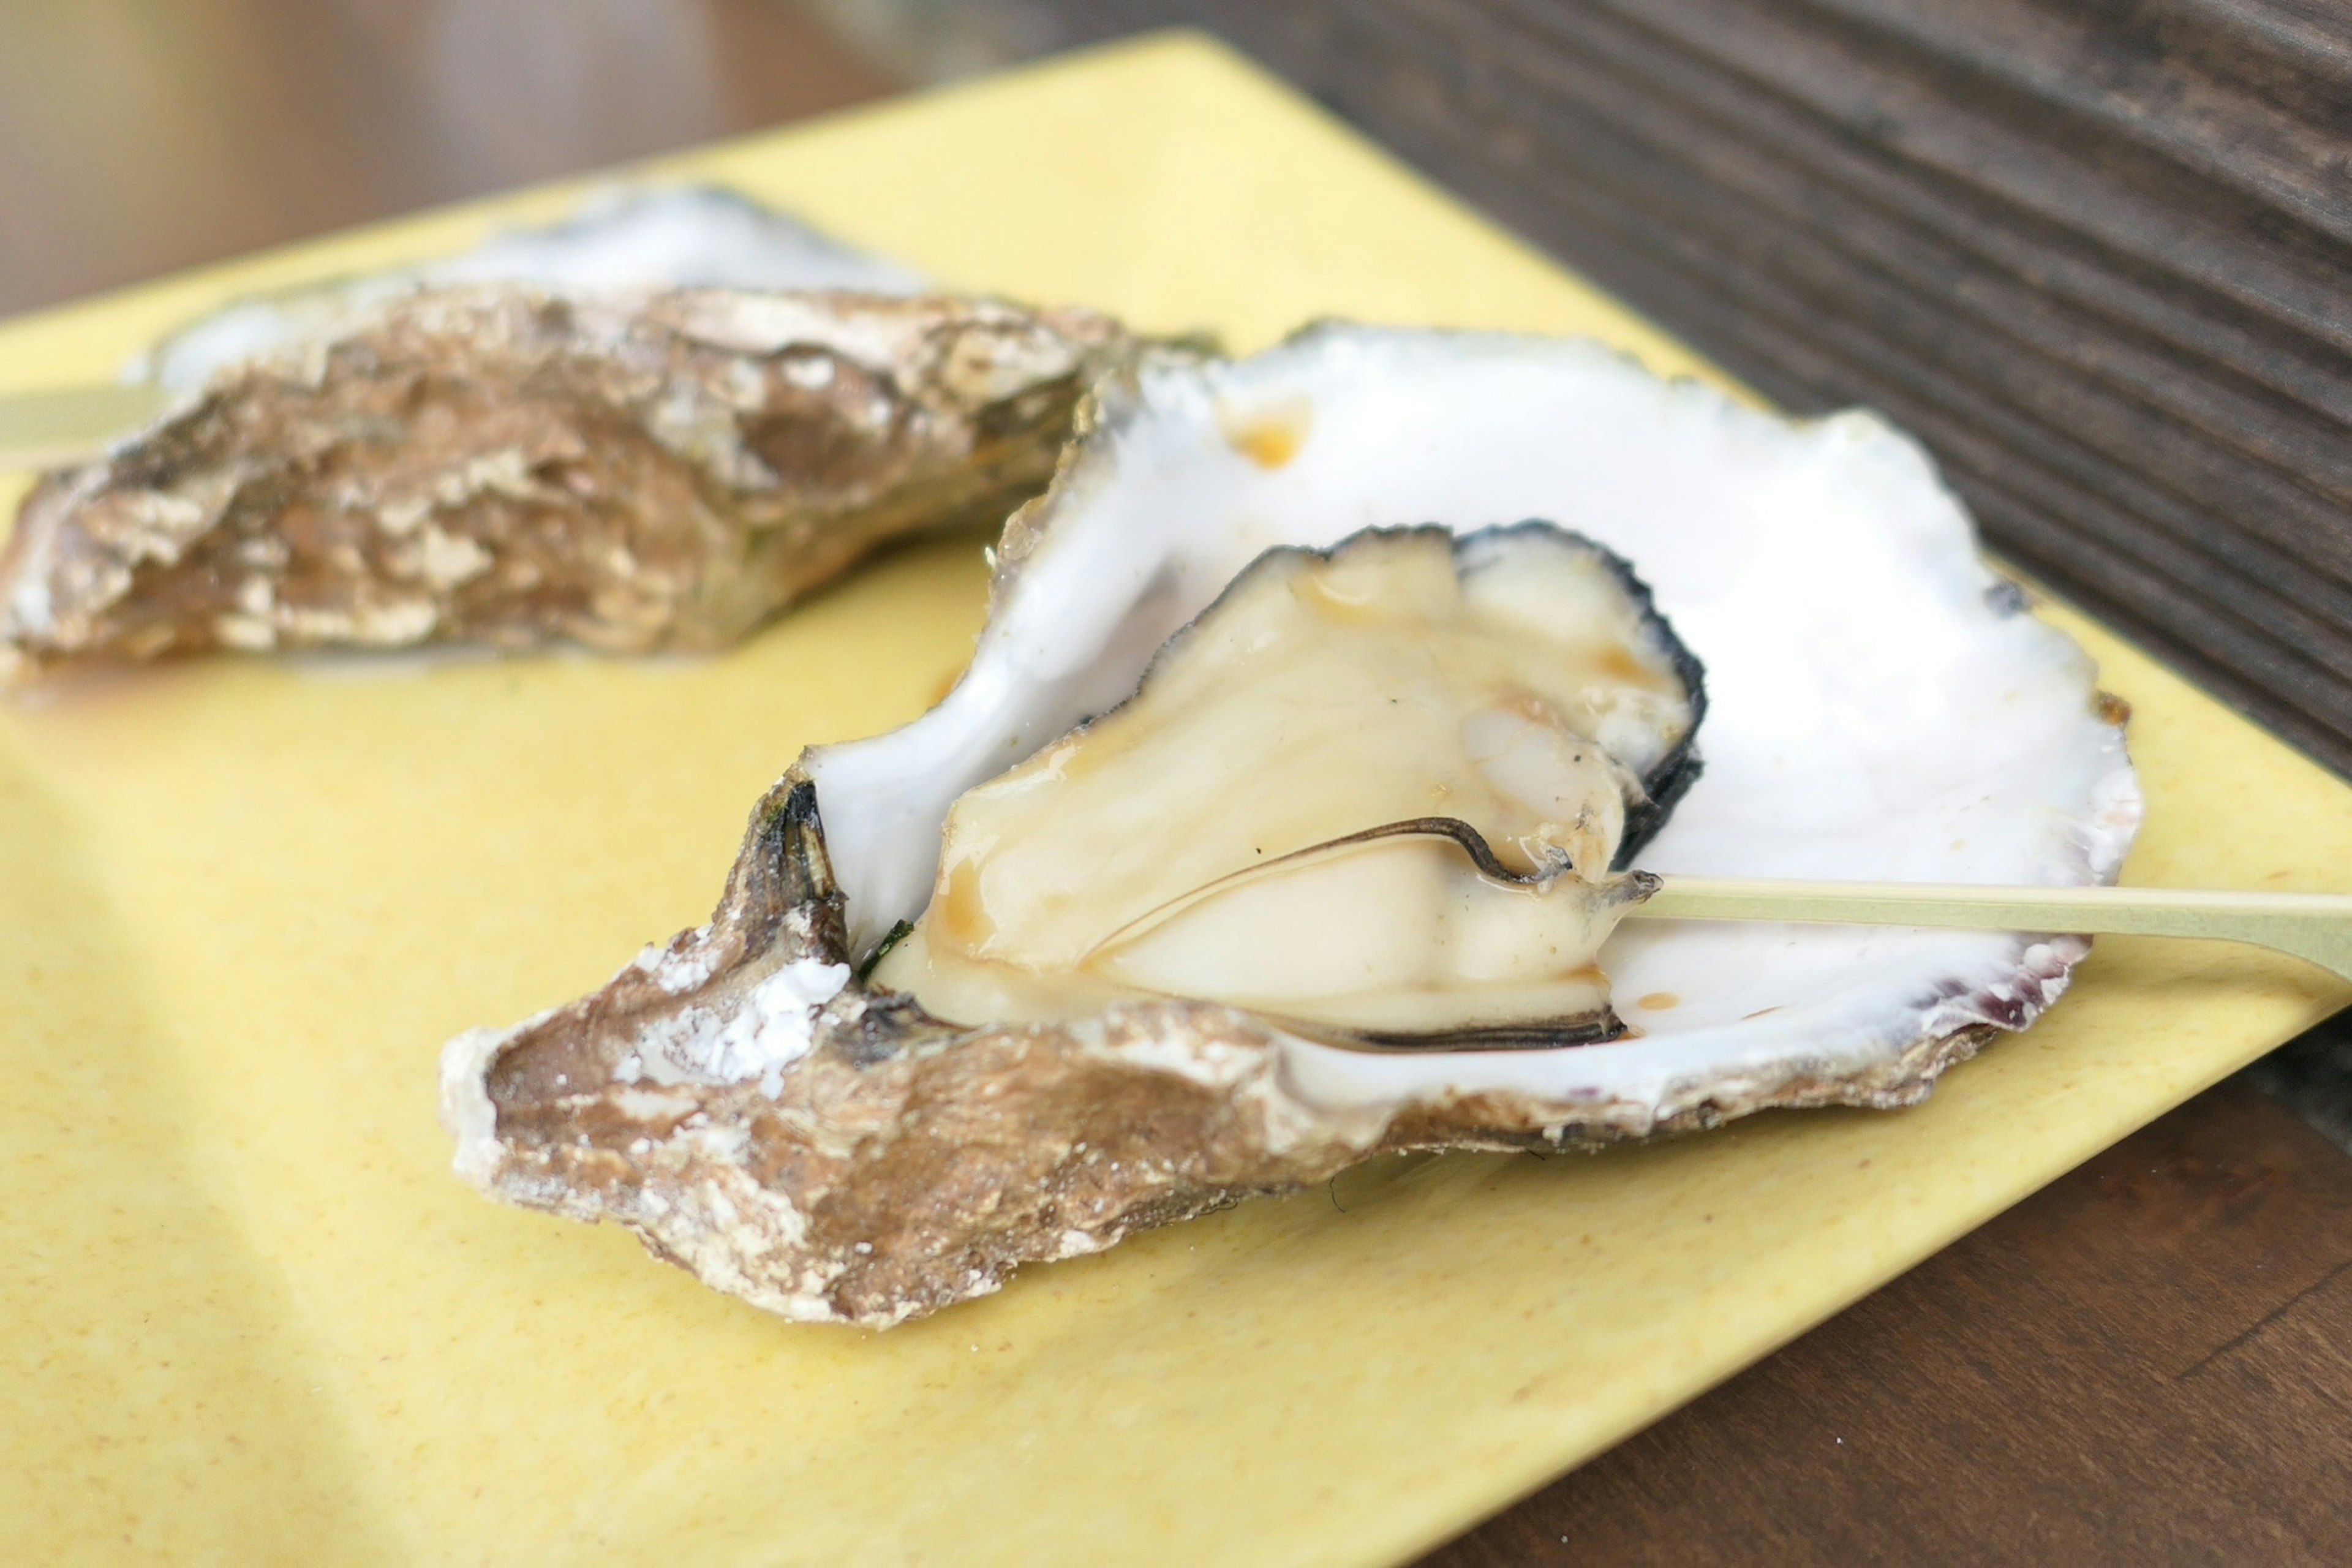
(1375, 792)
(493, 464)
(1031, 1078)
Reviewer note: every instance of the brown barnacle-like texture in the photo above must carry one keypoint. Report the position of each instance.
(496, 465)
(872, 1192)
(900, 1164)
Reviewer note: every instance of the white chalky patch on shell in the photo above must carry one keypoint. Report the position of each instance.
(246, 633)
(467, 1111)
(403, 514)
(676, 970)
(650, 1105)
(770, 1027)
(448, 559)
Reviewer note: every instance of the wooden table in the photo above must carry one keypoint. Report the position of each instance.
(2147, 1361)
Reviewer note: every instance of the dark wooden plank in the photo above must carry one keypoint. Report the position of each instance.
(1783, 194)
(2146, 1361)
(2074, 174)
(2190, 101)
(2044, 259)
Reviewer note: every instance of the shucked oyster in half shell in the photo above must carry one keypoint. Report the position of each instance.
(1877, 706)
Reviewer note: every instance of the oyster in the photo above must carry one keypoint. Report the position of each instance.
(496, 464)
(1878, 707)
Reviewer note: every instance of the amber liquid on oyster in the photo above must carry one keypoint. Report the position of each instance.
(1374, 794)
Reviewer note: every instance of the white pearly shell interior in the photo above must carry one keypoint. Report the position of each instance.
(1881, 707)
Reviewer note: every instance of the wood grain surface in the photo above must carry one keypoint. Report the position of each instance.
(138, 137)
(2098, 256)
(2149, 1361)
(2145, 1364)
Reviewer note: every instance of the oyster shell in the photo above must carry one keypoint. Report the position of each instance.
(492, 463)
(1879, 708)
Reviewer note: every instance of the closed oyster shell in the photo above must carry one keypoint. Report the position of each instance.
(491, 464)
(1879, 708)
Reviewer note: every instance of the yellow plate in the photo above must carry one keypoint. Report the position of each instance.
(249, 1315)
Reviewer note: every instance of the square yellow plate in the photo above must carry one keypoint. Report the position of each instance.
(249, 1315)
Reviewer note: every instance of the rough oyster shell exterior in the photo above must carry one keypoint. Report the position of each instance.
(497, 465)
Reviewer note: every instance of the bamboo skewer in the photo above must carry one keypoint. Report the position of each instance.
(2316, 927)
